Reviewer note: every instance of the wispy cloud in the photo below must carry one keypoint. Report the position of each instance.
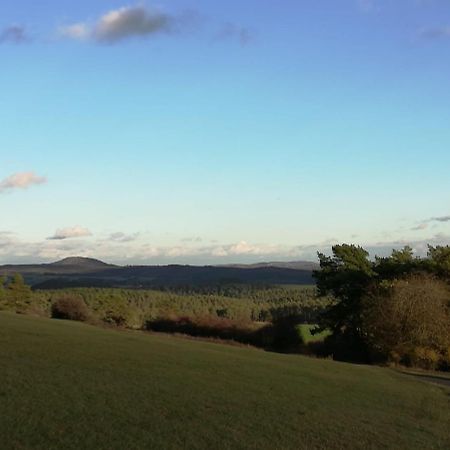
(196, 239)
(77, 31)
(123, 237)
(423, 225)
(420, 227)
(70, 232)
(15, 34)
(128, 22)
(235, 32)
(22, 180)
(435, 33)
(440, 219)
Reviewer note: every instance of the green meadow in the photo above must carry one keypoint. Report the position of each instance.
(306, 335)
(68, 385)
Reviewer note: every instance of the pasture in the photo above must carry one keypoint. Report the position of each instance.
(70, 385)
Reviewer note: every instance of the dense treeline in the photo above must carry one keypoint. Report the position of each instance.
(395, 308)
(263, 316)
(134, 308)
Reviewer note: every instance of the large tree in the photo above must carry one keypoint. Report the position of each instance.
(345, 276)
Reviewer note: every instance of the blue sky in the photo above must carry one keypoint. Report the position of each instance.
(207, 132)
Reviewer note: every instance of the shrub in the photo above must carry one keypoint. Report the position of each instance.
(281, 335)
(210, 327)
(424, 357)
(70, 308)
(118, 314)
(408, 321)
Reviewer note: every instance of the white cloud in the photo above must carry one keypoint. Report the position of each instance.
(219, 251)
(70, 232)
(21, 180)
(244, 248)
(127, 22)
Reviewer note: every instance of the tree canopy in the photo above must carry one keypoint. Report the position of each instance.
(351, 276)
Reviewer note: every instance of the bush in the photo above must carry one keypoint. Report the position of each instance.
(118, 314)
(211, 327)
(282, 335)
(70, 308)
(424, 357)
(408, 321)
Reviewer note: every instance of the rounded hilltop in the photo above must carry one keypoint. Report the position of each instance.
(82, 262)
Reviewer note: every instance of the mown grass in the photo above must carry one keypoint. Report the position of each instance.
(69, 385)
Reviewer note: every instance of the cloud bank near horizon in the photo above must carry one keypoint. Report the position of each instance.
(137, 251)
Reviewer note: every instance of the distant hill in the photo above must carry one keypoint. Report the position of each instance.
(89, 272)
(68, 266)
(82, 263)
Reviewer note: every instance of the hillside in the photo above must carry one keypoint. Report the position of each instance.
(69, 385)
(66, 266)
(88, 272)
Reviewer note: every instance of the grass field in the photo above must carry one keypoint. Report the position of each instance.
(65, 385)
(305, 333)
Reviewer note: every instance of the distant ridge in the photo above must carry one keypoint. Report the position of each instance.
(77, 271)
(295, 265)
(79, 261)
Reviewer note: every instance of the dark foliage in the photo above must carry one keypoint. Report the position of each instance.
(281, 335)
(70, 308)
(350, 277)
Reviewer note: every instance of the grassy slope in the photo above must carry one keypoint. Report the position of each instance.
(69, 385)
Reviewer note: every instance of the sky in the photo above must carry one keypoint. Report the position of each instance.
(201, 132)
